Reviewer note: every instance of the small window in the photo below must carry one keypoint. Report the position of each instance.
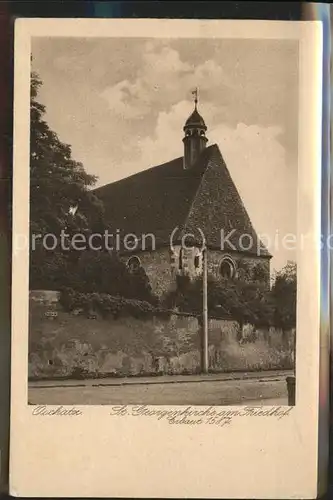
(196, 261)
(181, 259)
(241, 274)
(227, 268)
(133, 263)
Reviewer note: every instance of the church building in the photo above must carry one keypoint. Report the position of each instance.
(172, 210)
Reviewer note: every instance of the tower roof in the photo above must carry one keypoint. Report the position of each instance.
(195, 120)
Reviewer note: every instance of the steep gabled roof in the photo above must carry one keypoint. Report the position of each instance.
(153, 201)
(166, 197)
(219, 211)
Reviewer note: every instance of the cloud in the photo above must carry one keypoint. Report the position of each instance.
(163, 80)
(266, 183)
(163, 60)
(120, 98)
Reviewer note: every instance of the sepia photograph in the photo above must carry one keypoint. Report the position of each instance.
(163, 206)
(167, 236)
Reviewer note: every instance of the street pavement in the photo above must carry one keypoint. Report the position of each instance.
(261, 388)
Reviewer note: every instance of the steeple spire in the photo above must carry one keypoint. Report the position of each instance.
(195, 95)
(195, 135)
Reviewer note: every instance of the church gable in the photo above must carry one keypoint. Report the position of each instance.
(218, 211)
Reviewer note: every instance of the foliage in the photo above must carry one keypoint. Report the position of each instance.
(58, 184)
(105, 304)
(251, 274)
(243, 301)
(93, 271)
(259, 273)
(57, 181)
(48, 270)
(106, 273)
(284, 293)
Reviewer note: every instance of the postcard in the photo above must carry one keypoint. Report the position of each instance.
(166, 258)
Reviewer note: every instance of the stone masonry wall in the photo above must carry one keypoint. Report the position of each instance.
(157, 266)
(162, 266)
(243, 262)
(63, 345)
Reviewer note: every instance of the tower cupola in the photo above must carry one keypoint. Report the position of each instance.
(195, 135)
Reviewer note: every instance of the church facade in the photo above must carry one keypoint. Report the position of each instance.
(171, 211)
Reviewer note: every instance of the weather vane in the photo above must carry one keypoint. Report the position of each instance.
(195, 95)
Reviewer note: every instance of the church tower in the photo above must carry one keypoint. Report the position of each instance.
(195, 136)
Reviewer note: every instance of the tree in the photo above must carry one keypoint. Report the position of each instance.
(61, 201)
(284, 293)
(57, 184)
(242, 301)
(57, 181)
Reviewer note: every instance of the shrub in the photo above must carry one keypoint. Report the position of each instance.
(284, 293)
(102, 272)
(88, 272)
(242, 301)
(105, 304)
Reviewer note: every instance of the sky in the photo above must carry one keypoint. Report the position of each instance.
(122, 104)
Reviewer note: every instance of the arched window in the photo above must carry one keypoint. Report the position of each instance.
(133, 263)
(227, 268)
(196, 261)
